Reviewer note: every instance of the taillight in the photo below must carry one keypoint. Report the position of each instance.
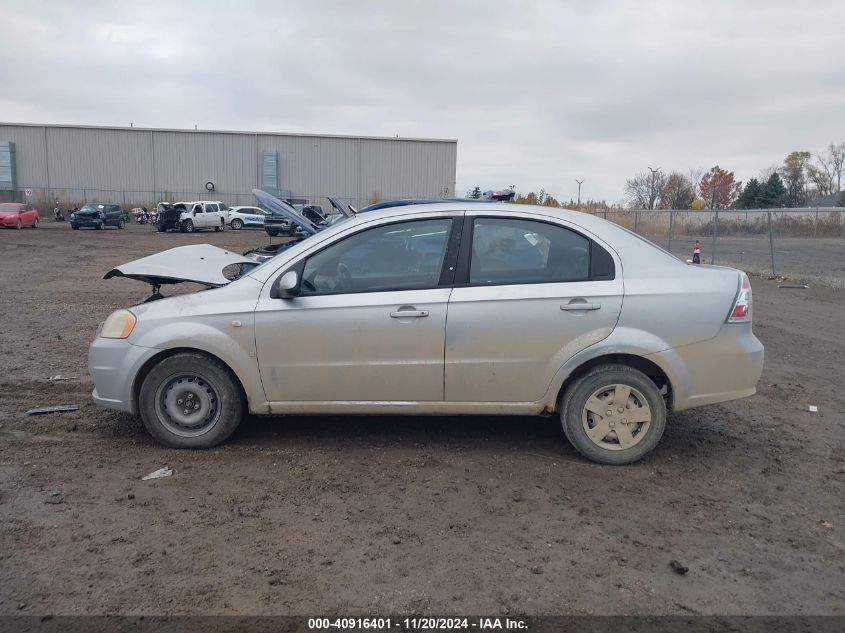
(741, 311)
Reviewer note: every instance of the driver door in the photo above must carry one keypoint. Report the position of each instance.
(369, 323)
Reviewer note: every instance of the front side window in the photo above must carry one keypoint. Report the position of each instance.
(401, 256)
(511, 251)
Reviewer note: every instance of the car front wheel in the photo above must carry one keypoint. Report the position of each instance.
(35, 223)
(121, 225)
(613, 414)
(188, 226)
(190, 400)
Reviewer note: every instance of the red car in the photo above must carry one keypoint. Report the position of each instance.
(18, 215)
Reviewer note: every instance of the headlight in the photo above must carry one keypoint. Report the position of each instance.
(119, 324)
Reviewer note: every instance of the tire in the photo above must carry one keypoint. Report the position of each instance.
(18, 225)
(218, 228)
(100, 226)
(74, 227)
(121, 225)
(598, 389)
(35, 223)
(272, 232)
(237, 224)
(204, 381)
(188, 226)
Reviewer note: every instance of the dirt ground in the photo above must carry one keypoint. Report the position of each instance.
(401, 515)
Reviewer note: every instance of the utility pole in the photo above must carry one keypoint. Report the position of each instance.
(653, 194)
(579, 192)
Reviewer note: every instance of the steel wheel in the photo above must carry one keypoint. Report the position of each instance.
(616, 417)
(187, 405)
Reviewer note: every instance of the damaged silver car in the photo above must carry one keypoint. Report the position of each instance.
(438, 309)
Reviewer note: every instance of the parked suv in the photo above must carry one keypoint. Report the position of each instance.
(202, 214)
(95, 215)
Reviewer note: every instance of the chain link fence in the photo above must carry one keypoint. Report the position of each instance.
(804, 245)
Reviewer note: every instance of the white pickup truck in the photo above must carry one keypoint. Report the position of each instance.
(202, 214)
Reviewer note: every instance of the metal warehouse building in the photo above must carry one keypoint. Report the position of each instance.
(141, 166)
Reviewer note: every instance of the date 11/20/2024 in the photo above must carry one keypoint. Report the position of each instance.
(419, 623)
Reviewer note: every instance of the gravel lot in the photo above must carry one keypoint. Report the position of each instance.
(395, 515)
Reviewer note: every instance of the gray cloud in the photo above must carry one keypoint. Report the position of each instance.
(538, 93)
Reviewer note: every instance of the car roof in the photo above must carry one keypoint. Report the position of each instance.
(402, 202)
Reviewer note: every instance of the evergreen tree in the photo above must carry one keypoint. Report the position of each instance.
(772, 193)
(750, 196)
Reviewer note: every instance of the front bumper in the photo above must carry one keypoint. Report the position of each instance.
(113, 365)
(724, 368)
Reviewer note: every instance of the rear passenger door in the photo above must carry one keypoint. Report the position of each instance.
(529, 294)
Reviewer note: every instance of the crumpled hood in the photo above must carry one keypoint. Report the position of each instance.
(200, 263)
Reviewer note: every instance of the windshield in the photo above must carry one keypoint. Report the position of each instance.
(8, 208)
(91, 208)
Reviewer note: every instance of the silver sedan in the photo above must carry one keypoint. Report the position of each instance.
(440, 309)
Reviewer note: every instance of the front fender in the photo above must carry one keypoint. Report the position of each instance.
(235, 346)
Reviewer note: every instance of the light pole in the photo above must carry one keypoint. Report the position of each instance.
(579, 192)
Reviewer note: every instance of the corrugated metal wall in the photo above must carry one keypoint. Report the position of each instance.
(134, 165)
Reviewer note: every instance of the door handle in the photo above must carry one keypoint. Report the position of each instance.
(575, 306)
(409, 314)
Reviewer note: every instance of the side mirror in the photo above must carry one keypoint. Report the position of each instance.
(287, 286)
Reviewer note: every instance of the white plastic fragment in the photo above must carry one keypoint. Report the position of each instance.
(814, 408)
(158, 474)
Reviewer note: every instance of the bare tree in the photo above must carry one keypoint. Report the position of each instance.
(694, 174)
(826, 171)
(643, 190)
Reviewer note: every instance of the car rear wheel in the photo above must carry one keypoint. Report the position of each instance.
(613, 414)
(74, 227)
(272, 232)
(18, 224)
(237, 224)
(190, 400)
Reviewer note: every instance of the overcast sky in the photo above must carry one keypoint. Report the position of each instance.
(537, 93)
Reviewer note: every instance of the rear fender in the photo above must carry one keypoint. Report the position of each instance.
(622, 340)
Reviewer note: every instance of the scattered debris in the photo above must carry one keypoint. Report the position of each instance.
(158, 474)
(826, 524)
(55, 498)
(396, 540)
(58, 408)
(813, 408)
(677, 567)
(60, 377)
(802, 286)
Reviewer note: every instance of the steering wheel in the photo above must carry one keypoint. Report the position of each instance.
(345, 277)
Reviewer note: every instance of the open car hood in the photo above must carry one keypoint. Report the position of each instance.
(200, 263)
(341, 207)
(279, 207)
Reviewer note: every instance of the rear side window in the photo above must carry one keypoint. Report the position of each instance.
(516, 251)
